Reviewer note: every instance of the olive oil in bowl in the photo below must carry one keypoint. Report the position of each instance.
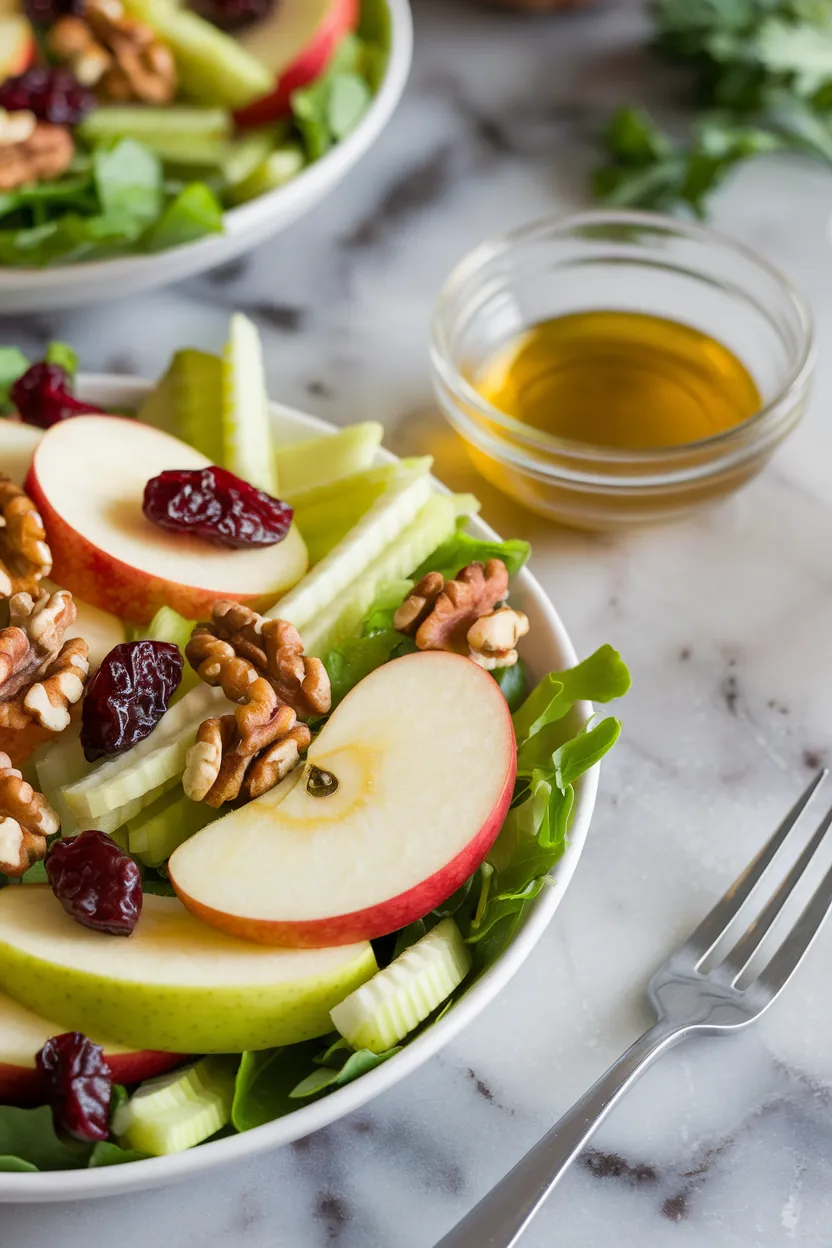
(619, 379)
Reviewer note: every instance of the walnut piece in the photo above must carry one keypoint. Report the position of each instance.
(26, 820)
(258, 663)
(493, 639)
(41, 675)
(247, 752)
(438, 614)
(25, 557)
(238, 646)
(123, 58)
(45, 153)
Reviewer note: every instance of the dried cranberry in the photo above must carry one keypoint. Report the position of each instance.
(46, 12)
(213, 504)
(53, 95)
(233, 14)
(78, 1086)
(128, 695)
(43, 396)
(96, 882)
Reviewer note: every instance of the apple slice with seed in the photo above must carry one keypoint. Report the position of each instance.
(402, 796)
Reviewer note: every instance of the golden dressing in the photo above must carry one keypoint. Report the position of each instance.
(619, 379)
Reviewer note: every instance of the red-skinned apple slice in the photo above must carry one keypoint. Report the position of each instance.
(423, 751)
(24, 1033)
(296, 42)
(87, 480)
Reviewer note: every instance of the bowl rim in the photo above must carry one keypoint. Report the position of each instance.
(310, 184)
(50, 1186)
(640, 459)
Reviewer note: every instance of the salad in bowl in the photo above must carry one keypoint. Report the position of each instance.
(129, 127)
(277, 791)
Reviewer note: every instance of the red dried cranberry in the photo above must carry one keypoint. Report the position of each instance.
(96, 882)
(78, 1086)
(43, 396)
(128, 695)
(53, 95)
(213, 504)
(233, 14)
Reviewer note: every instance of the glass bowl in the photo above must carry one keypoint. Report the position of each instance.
(623, 261)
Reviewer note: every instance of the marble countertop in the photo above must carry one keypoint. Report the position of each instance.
(725, 620)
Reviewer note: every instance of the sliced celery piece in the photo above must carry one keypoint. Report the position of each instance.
(245, 407)
(248, 152)
(137, 121)
(112, 821)
(132, 788)
(61, 763)
(117, 781)
(176, 1111)
(161, 828)
(381, 526)
(396, 1000)
(278, 168)
(213, 67)
(169, 625)
(433, 524)
(305, 465)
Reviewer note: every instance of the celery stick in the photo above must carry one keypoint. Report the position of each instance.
(433, 524)
(326, 583)
(132, 788)
(161, 828)
(110, 821)
(245, 407)
(178, 1110)
(304, 465)
(276, 169)
(396, 1000)
(62, 762)
(102, 787)
(137, 121)
(169, 625)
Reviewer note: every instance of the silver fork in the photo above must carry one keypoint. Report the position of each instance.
(687, 1000)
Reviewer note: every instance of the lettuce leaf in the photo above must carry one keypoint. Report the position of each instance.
(28, 1136)
(462, 549)
(265, 1080)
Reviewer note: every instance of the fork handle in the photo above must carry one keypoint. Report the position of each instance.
(500, 1218)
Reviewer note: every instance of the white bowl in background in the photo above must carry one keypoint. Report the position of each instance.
(546, 648)
(72, 285)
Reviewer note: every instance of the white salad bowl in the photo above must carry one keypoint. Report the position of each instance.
(73, 285)
(547, 647)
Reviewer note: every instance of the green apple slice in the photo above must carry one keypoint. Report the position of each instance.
(245, 407)
(175, 984)
(176, 1111)
(395, 1001)
(276, 169)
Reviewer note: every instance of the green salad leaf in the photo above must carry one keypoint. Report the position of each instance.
(128, 178)
(13, 364)
(329, 109)
(105, 1153)
(265, 1081)
(462, 549)
(28, 1136)
(61, 353)
(762, 71)
(16, 1163)
(194, 212)
(339, 1066)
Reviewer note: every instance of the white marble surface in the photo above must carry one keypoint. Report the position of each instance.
(725, 621)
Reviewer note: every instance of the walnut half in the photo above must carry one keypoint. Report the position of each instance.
(26, 820)
(25, 557)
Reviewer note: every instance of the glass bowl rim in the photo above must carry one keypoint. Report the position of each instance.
(502, 244)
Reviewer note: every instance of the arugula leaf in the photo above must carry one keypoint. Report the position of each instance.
(513, 682)
(13, 364)
(462, 549)
(265, 1081)
(600, 678)
(194, 212)
(28, 1135)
